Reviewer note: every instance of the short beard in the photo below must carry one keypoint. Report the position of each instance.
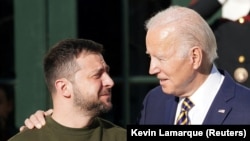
(92, 108)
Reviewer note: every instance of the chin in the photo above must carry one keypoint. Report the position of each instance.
(106, 107)
(109, 105)
(166, 90)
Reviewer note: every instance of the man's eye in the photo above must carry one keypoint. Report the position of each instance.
(98, 75)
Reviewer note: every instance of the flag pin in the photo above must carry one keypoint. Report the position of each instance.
(221, 110)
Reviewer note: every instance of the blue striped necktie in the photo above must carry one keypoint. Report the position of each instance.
(183, 118)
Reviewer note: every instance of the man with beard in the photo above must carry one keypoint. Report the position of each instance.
(77, 77)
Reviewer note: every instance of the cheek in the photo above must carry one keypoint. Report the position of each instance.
(178, 70)
(171, 68)
(185, 72)
(92, 88)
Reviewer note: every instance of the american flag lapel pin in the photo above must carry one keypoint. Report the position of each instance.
(221, 111)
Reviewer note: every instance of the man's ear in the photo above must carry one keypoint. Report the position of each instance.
(63, 87)
(196, 54)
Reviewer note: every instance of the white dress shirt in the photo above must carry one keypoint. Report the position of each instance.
(203, 97)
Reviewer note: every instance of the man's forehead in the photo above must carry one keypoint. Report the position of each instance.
(93, 62)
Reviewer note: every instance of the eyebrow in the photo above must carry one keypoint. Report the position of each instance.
(106, 68)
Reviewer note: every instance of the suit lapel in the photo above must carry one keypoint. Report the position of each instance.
(221, 106)
(172, 104)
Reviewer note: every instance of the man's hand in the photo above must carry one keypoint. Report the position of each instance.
(36, 120)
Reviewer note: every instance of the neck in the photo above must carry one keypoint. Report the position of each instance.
(72, 119)
(200, 77)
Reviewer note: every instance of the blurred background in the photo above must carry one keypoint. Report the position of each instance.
(29, 27)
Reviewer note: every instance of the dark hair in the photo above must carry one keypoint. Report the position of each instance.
(60, 62)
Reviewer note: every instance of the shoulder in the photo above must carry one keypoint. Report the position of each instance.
(32, 134)
(111, 130)
(156, 91)
(157, 94)
(230, 84)
(27, 134)
(231, 89)
(109, 125)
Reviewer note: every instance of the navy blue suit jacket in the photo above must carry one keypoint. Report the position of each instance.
(233, 98)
